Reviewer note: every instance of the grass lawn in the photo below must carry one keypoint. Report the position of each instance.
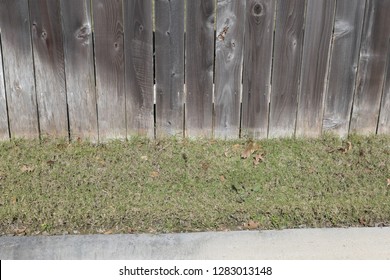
(174, 185)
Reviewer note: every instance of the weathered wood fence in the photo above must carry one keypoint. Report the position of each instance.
(227, 68)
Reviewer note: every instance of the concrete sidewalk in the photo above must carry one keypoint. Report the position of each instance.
(348, 243)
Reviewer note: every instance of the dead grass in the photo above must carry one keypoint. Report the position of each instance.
(176, 185)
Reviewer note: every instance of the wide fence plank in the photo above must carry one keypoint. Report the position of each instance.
(384, 117)
(228, 67)
(372, 64)
(4, 132)
(169, 67)
(18, 68)
(79, 68)
(49, 67)
(259, 31)
(139, 67)
(286, 67)
(199, 67)
(110, 67)
(343, 66)
(318, 30)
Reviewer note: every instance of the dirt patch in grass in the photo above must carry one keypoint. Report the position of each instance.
(174, 185)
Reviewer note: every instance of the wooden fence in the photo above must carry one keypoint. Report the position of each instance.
(105, 69)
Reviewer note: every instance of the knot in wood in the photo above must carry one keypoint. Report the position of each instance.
(43, 35)
(257, 9)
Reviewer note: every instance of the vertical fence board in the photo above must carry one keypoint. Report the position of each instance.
(169, 67)
(109, 61)
(343, 66)
(3, 104)
(18, 68)
(139, 67)
(199, 67)
(318, 30)
(49, 67)
(259, 31)
(79, 68)
(228, 67)
(384, 117)
(372, 64)
(286, 67)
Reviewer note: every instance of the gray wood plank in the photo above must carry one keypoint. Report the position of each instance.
(139, 67)
(228, 67)
(288, 47)
(49, 67)
(372, 64)
(4, 132)
(79, 68)
(109, 61)
(318, 31)
(343, 66)
(259, 31)
(19, 68)
(169, 67)
(384, 116)
(199, 67)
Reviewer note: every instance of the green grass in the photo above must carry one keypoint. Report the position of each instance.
(174, 185)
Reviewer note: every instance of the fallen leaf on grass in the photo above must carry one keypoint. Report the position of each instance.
(222, 178)
(108, 231)
(251, 225)
(20, 231)
(26, 168)
(388, 182)
(249, 150)
(258, 158)
(346, 149)
(343, 149)
(144, 158)
(154, 174)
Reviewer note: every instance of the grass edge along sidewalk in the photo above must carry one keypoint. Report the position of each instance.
(180, 185)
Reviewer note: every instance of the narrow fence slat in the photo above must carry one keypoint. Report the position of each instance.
(139, 67)
(228, 67)
(169, 67)
(49, 67)
(18, 68)
(3, 104)
(384, 117)
(286, 67)
(343, 66)
(109, 61)
(259, 31)
(79, 68)
(199, 67)
(318, 31)
(372, 64)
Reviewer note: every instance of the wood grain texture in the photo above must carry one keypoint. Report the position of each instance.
(19, 68)
(318, 30)
(139, 67)
(372, 64)
(384, 116)
(259, 31)
(4, 132)
(286, 67)
(169, 67)
(79, 68)
(343, 66)
(109, 61)
(228, 67)
(199, 67)
(49, 67)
